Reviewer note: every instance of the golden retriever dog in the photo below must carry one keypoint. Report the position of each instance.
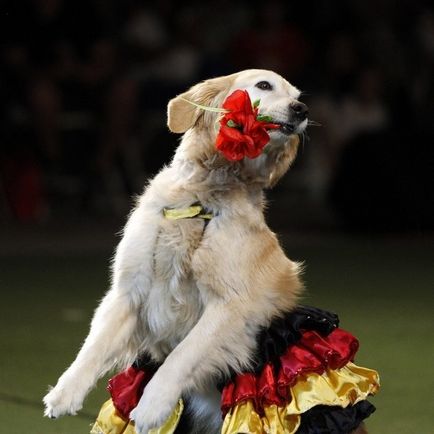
(192, 296)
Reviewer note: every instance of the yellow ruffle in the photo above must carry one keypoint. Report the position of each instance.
(244, 419)
(340, 387)
(109, 421)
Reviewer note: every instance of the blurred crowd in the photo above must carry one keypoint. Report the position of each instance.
(84, 87)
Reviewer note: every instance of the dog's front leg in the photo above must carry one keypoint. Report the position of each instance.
(111, 329)
(111, 337)
(220, 338)
(242, 292)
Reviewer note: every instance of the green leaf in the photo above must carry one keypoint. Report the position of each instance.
(256, 103)
(264, 118)
(232, 124)
(266, 149)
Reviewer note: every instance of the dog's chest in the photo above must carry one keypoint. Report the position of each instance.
(176, 243)
(174, 304)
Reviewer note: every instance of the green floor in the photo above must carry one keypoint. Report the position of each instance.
(383, 291)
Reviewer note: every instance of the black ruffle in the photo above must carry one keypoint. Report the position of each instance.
(273, 341)
(323, 419)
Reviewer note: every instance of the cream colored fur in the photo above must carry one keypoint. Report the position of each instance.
(191, 298)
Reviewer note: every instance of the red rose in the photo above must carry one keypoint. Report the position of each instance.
(243, 133)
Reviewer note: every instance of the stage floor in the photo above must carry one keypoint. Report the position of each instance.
(382, 289)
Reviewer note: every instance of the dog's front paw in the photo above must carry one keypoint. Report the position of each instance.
(60, 401)
(155, 406)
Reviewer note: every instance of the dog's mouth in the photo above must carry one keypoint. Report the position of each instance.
(286, 128)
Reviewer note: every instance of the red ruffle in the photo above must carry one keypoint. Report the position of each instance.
(126, 389)
(313, 353)
(337, 349)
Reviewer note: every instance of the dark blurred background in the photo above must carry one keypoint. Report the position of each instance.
(84, 87)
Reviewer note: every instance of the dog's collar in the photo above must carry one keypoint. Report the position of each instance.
(194, 211)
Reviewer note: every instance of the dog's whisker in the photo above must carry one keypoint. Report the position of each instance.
(313, 123)
(304, 139)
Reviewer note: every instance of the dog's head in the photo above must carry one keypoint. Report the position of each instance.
(278, 99)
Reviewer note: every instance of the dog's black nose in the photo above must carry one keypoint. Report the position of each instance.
(299, 110)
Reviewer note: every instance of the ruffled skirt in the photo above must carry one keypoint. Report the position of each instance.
(303, 381)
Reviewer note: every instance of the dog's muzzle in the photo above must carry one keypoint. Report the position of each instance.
(298, 113)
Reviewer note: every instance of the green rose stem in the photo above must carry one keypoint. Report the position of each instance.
(231, 124)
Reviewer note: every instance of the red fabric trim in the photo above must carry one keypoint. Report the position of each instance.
(345, 344)
(313, 353)
(126, 389)
(296, 361)
(267, 387)
(335, 350)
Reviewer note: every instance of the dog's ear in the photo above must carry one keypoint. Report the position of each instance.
(181, 115)
(282, 160)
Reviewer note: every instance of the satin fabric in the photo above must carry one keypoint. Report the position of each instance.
(312, 354)
(244, 419)
(110, 422)
(342, 387)
(126, 389)
(335, 349)
(303, 380)
(324, 419)
(305, 339)
(183, 213)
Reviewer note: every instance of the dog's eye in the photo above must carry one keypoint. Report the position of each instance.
(264, 85)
